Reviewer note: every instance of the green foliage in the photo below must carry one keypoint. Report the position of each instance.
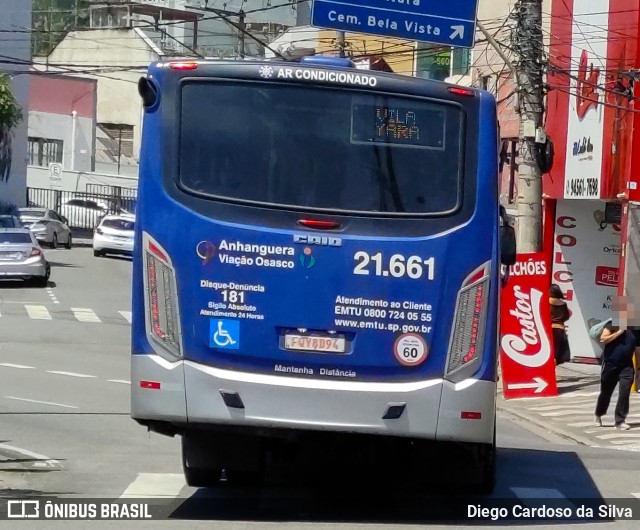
(53, 19)
(10, 111)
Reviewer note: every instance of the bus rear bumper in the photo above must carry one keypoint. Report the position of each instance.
(195, 394)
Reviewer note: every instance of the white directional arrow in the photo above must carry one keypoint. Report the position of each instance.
(539, 384)
(458, 31)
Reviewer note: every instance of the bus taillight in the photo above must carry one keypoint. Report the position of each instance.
(468, 331)
(183, 66)
(162, 310)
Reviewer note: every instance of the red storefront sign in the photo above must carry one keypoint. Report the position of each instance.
(526, 347)
(607, 276)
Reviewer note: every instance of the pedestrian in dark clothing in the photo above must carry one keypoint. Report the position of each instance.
(559, 315)
(617, 369)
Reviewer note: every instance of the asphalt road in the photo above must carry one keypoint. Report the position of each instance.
(65, 431)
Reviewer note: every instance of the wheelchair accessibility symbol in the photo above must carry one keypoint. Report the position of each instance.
(224, 334)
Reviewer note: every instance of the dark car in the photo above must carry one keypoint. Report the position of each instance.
(9, 221)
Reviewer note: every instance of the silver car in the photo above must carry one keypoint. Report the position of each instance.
(48, 227)
(21, 257)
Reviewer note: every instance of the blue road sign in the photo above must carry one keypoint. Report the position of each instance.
(447, 22)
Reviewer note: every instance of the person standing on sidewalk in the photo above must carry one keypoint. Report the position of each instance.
(559, 315)
(617, 369)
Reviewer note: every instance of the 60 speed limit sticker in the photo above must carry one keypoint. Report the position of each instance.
(410, 349)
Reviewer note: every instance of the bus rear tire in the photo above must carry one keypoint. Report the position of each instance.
(200, 471)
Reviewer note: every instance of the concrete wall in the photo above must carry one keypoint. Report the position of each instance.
(52, 103)
(118, 100)
(17, 46)
(60, 127)
(38, 177)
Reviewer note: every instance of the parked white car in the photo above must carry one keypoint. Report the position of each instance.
(114, 235)
(84, 212)
(47, 226)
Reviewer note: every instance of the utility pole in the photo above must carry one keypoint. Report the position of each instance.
(528, 46)
(242, 31)
(341, 44)
(240, 26)
(225, 15)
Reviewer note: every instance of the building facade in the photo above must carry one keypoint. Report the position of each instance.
(593, 189)
(62, 122)
(115, 59)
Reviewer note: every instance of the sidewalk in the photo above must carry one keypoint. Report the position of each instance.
(571, 376)
(570, 414)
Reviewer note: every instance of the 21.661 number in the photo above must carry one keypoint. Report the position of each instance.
(398, 266)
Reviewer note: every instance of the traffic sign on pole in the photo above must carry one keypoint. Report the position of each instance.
(446, 22)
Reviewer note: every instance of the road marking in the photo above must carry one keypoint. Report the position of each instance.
(583, 424)
(38, 312)
(572, 412)
(526, 494)
(155, 485)
(620, 434)
(636, 495)
(85, 315)
(21, 366)
(44, 461)
(550, 408)
(537, 493)
(52, 295)
(71, 374)
(41, 402)
(119, 381)
(126, 315)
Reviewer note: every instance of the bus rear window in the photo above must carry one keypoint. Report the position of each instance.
(314, 148)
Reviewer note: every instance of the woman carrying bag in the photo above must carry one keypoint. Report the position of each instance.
(617, 368)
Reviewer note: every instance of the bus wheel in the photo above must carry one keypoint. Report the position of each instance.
(198, 464)
(485, 457)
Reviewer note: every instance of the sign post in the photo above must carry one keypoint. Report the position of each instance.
(55, 175)
(451, 23)
(526, 345)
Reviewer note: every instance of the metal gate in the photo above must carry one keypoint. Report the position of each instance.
(84, 210)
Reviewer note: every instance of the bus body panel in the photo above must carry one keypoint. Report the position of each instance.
(433, 408)
(168, 402)
(304, 296)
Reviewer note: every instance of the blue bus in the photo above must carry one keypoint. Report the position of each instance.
(318, 252)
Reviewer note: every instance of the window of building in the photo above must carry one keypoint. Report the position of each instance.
(43, 152)
(460, 61)
(109, 17)
(437, 62)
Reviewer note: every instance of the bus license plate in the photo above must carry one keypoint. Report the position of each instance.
(318, 344)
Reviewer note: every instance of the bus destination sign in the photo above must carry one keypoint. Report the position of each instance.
(450, 23)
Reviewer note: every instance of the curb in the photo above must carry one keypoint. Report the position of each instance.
(83, 242)
(542, 432)
(581, 440)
